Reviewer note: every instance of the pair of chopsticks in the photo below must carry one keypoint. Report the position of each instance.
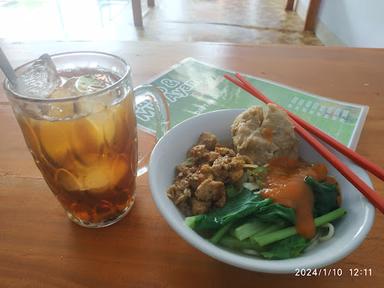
(304, 129)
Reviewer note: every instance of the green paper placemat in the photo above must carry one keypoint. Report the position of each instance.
(193, 87)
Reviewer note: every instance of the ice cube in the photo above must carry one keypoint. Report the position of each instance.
(66, 90)
(39, 80)
(64, 109)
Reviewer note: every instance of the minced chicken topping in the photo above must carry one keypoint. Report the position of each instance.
(200, 179)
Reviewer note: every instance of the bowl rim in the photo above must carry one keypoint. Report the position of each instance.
(241, 260)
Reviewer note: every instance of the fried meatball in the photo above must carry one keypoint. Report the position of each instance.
(263, 135)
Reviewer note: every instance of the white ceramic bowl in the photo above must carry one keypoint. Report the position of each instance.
(171, 150)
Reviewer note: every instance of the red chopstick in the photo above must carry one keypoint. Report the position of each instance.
(367, 191)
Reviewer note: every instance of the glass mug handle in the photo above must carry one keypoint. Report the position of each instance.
(157, 111)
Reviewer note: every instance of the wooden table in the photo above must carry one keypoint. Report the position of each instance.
(40, 247)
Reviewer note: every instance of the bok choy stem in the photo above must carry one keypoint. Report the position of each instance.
(290, 231)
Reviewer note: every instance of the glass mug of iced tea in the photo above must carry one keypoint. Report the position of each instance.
(77, 114)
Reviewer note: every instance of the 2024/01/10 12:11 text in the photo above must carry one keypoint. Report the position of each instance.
(333, 272)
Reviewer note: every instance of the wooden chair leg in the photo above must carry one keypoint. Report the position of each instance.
(151, 3)
(310, 20)
(290, 5)
(137, 13)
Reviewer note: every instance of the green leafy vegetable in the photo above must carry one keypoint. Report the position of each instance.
(270, 228)
(221, 232)
(232, 191)
(277, 213)
(235, 244)
(249, 222)
(249, 229)
(325, 196)
(284, 233)
(288, 248)
(244, 204)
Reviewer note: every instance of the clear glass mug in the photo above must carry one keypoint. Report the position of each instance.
(85, 143)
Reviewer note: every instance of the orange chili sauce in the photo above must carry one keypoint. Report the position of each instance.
(285, 185)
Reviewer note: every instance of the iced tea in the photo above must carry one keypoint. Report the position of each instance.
(86, 149)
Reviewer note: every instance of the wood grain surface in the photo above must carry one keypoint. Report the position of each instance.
(40, 247)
